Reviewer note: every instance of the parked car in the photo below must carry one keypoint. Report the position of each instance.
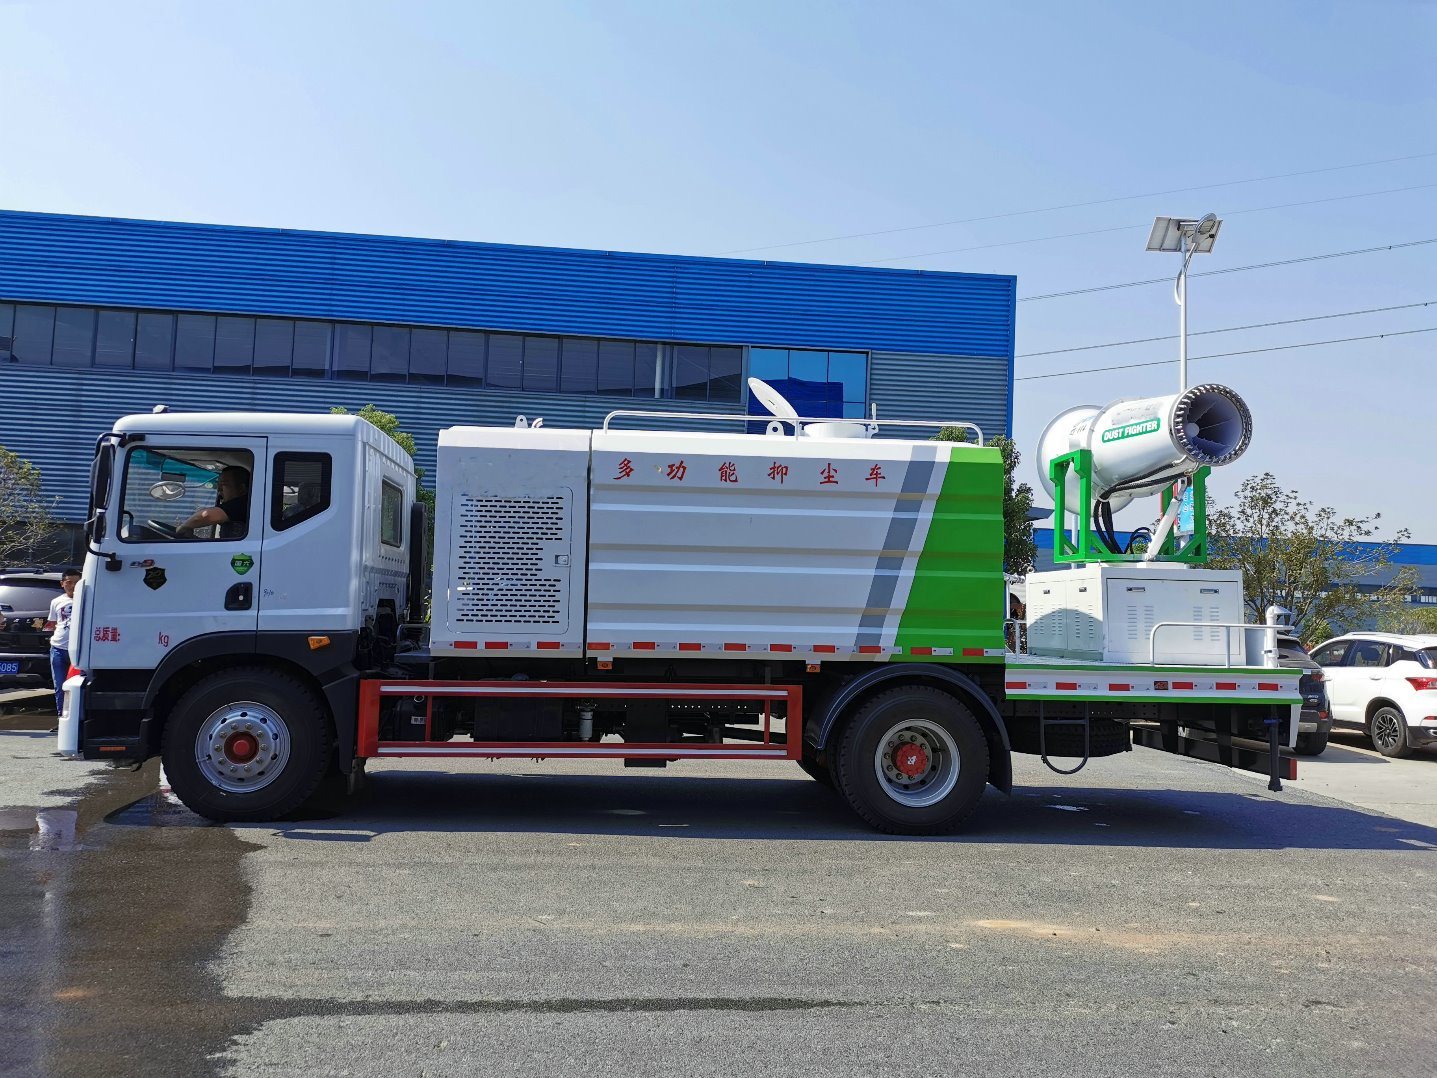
(1314, 724)
(1384, 685)
(25, 597)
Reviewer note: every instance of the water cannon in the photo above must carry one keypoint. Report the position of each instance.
(1094, 460)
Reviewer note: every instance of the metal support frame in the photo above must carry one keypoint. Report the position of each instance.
(1088, 547)
(373, 690)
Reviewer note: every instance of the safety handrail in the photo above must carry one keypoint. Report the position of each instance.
(1227, 644)
(796, 422)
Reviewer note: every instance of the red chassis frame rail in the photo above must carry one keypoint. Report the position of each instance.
(372, 691)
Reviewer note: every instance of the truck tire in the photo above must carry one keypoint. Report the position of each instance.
(1388, 730)
(247, 744)
(912, 761)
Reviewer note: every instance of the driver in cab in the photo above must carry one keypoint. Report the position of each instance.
(230, 511)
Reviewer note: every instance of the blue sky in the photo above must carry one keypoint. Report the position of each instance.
(716, 128)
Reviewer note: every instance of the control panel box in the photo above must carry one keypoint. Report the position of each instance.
(1108, 613)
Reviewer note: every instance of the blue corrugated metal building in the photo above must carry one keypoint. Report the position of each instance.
(102, 317)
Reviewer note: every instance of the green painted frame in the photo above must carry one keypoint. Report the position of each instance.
(1088, 547)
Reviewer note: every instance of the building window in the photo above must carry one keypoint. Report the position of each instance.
(154, 342)
(311, 349)
(34, 334)
(115, 339)
(506, 360)
(427, 349)
(79, 337)
(273, 346)
(74, 337)
(819, 384)
(234, 345)
(389, 360)
(351, 351)
(702, 372)
(195, 342)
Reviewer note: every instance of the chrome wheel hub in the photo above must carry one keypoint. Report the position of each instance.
(917, 763)
(242, 747)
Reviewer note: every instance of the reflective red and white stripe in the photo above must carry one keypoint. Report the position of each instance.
(1055, 681)
(604, 648)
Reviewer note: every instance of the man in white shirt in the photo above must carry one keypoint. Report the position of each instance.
(61, 607)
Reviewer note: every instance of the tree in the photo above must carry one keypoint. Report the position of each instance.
(1306, 558)
(25, 521)
(1019, 550)
(1407, 619)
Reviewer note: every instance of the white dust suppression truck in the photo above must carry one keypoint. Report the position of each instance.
(253, 607)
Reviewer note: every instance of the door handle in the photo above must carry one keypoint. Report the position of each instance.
(240, 596)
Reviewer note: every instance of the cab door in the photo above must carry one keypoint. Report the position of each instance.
(166, 585)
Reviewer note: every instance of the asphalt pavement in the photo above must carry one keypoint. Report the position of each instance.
(1150, 915)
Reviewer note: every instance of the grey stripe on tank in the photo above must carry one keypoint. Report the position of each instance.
(901, 526)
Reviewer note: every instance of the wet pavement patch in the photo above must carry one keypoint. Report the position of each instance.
(108, 932)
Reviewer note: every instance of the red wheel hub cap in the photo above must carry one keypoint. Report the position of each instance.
(911, 760)
(241, 748)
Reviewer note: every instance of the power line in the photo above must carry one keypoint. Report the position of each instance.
(1141, 224)
(1229, 269)
(1223, 355)
(1078, 205)
(1226, 329)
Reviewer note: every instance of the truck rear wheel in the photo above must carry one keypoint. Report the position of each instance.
(913, 761)
(247, 744)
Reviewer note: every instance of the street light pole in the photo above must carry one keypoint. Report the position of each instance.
(1186, 237)
(1182, 298)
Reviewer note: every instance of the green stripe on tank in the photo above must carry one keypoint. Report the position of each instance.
(958, 599)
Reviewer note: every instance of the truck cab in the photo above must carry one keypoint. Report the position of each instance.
(276, 544)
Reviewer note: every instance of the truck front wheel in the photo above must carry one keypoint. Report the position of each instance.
(247, 744)
(913, 761)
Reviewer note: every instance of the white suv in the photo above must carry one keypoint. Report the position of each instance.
(1385, 685)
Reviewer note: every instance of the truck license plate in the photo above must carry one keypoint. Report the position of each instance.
(7, 668)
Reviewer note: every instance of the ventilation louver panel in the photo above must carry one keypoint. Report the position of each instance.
(508, 571)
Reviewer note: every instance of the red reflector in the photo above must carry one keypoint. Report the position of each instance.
(869, 649)
(467, 645)
(73, 672)
(1268, 686)
(496, 645)
(1227, 686)
(691, 647)
(735, 647)
(549, 645)
(780, 647)
(920, 651)
(645, 645)
(598, 647)
(972, 651)
(1015, 685)
(1119, 687)
(1422, 683)
(827, 649)
(1068, 685)
(1184, 685)
(112, 748)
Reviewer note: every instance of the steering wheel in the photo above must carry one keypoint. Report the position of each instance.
(169, 531)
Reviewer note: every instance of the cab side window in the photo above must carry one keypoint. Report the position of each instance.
(301, 488)
(183, 494)
(1331, 655)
